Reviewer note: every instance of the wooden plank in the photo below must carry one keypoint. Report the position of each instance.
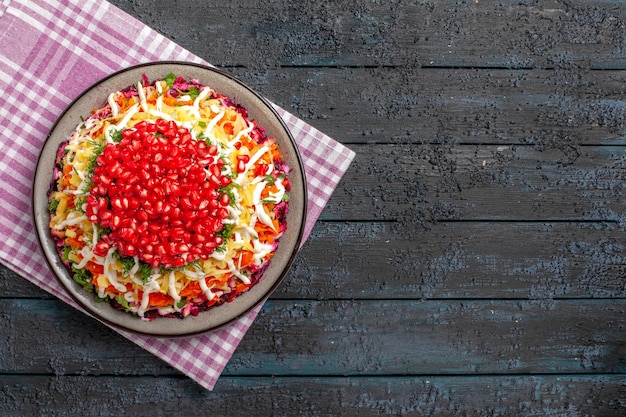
(50, 337)
(425, 183)
(547, 109)
(435, 337)
(353, 260)
(510, 34)
(539, 261)
(433, 396)
(361, 337)
(13, 285)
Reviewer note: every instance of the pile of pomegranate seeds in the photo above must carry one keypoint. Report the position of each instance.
(159, 192)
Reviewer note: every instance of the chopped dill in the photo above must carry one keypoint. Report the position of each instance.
(145, 272)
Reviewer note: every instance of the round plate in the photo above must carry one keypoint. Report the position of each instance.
(258, 109)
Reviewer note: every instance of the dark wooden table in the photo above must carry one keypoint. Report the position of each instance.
(472, 262)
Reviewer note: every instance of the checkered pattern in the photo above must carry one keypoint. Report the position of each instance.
(50, 51)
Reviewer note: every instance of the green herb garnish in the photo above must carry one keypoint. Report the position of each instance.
(226, 232)
(193, 92)
(83, 278)
(52, 205)
(122, 302)
(169, 80)
(145, 272)
(66, 253)
(127, 263)
(116, 135)
(91, 163)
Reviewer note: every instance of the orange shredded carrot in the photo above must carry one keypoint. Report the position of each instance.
(72, 241)
(267, 234)
(126, 104)
(157, 299)
(172, 102)
(267, 190)
(246, 258)
(192, 290)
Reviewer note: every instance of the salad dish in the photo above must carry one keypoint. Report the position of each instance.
(169, 199)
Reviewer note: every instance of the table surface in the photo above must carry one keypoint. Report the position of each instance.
(471, 262)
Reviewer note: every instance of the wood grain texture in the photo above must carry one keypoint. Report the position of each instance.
(524, 396)
(344, 337)
(528, 34)
(471, 262)
(558, 108)
(425, 183)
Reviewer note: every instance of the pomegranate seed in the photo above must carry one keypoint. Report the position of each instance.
(104, 180)
(177, 233)
(198, 238)
(215, 181)
(117, 203)
(101, 248)
(115, 221)
(105, 215)
(160, 250)
(215, 170)
(186, 203)
(154, 193)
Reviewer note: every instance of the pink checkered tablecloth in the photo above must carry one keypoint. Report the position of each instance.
(50, 51)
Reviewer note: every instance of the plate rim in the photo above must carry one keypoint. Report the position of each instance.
(43, 233)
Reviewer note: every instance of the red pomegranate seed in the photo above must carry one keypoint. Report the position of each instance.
(115, 221)
(101, 248)
(105, 215)
(151, 189)
(222, 213)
